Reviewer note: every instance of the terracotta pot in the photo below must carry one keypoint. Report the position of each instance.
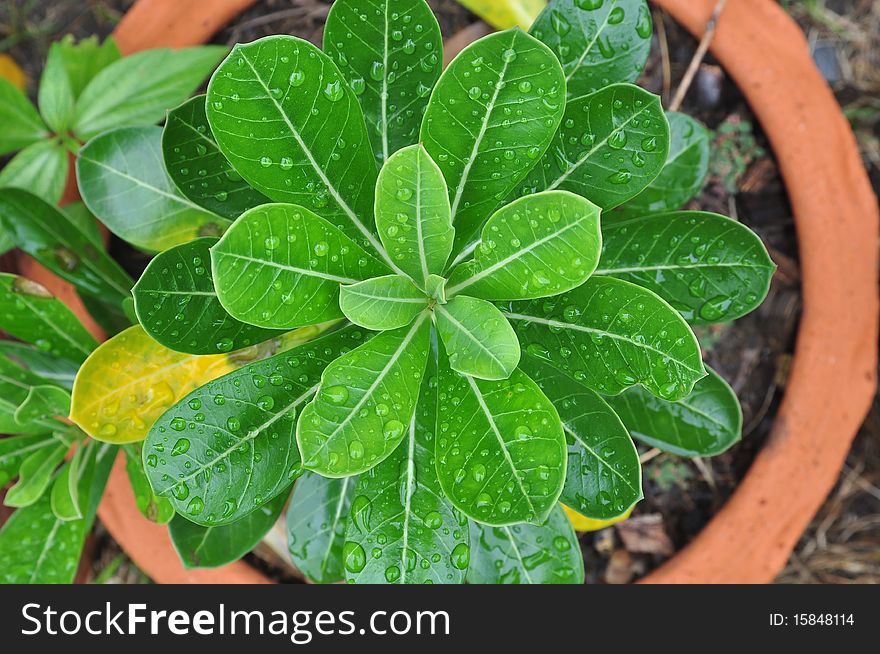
(832, 380)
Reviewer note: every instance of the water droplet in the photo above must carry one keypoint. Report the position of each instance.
(461, 556)
(180, 447)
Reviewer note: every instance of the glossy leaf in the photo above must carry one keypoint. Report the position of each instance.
(280, 266)
(84, 59)
(413, 214)
(55, 96)
(40, 168)
(312, 149)
(391, 61)
(708, 267)
(59, 244)
(683, 174)
(227, 448)
(42, 364)
(131, 380)
(198, 168)
(43, 402)
(482, 144)
(366, 400)
(15, 385)
(400, 516)
(139, 89)
(604, 476)
(316, 521)
(177, 305)
(22, 125)
(705, 423)
(526, 554)
(78, 214)
(479, 340)
(504, 14)
(500, 447)
(598, 42)
(609, 335)
(15, 449)
(382, 303)
(123, 182)
(30, 313)
(211, 547)
(35, 475)
(582, 523)
(611, 145)
(152, 507)
(37, 547)
(537, 246)
(64, 498)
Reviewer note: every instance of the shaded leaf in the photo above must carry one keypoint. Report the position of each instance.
(500, 447)
(177, 305)
(123, 182)
(479, 340)
(42, 364)
(366, 400)
(64, 498)
(705, 423)
(609, 335)
(708, 267)
(78, 214)
(611, 145)
(316, 521)
(40, 168)
(211, 547)
(413, 215)
(22, 125)
(139, 89)
(15, 449)
(152, 507)
(382, 303)
(15, 385)
(55, 96)
(526, 554)
(537, 246)
(391, 61)
(484, 149)
(198, 168)
(43, 402)
(280, 266)
(598, 42)
(35, 475)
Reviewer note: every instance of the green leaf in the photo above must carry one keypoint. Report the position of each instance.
(123, 182)
(139, 89)
(44, 365)
(15, 449)
(598, 43)
(482, 145)
(312, 149)
(537, 246)
(611, 145)
(502, 14)
(85, 59)
(37, 547)
(610, 335)
(708, 267)
(280, 266)
(366, 400)
(526, 554)
(15, 385)
(683, 174)
(35, 475)
(43, 402)
(316, 521)
(22, 125)
(64, 498)
(391, 61)
(228, 447)
(500, 447)
(55, 97)
(705, 423)
(211, 547)
(177, 305)
(400, 516)
(78, 214)
(6, 242)
(413, 214)
(152, 507)
(30, 313)
(479, 340)
(197, 166)
(604, 476)
(382, 303)
(58, 243)
(40, 168)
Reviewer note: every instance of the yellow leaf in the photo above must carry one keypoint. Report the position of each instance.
(11, 71)
(582, 523)
(131, 380)
(504, 14)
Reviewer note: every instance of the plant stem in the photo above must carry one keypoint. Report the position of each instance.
(702, 49)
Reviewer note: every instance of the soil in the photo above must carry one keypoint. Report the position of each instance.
(753, 354)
